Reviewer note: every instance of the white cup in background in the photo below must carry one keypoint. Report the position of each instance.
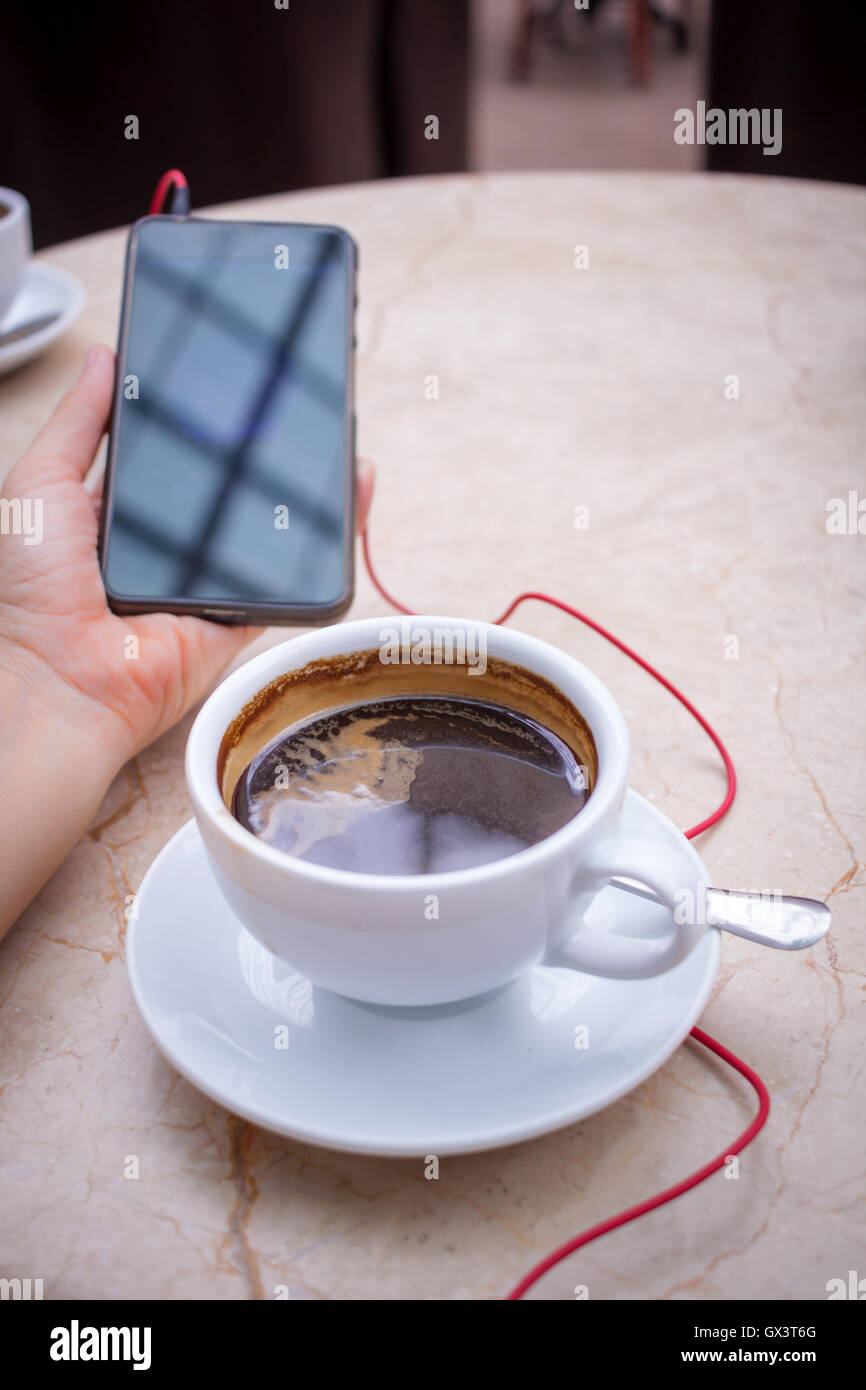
(16, 245)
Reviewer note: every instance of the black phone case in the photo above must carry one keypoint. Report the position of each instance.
(226, 611)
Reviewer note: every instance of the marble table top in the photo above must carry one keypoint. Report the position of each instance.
(693, 378)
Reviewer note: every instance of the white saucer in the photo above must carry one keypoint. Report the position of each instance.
(45, 289)
(403, 1082)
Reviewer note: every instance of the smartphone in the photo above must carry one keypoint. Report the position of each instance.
(229, 487)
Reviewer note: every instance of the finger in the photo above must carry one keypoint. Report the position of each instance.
(68, 442)
(214, 647)
(205, 650)
(219, 644)
(365, 481)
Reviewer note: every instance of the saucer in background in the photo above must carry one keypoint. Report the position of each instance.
(45, 290)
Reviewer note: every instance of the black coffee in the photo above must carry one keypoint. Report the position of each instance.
(410, 785)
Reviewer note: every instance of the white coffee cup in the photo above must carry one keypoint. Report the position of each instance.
(15, 245)
(369, 936)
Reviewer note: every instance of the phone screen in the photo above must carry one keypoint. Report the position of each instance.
(232, 444)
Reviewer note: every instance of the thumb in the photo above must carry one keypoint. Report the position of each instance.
(197, 651)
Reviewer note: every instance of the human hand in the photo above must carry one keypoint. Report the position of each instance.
(56, 630)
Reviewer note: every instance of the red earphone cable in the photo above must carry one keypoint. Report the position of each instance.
(171, 178)
(669, 1193)
(757, 1124)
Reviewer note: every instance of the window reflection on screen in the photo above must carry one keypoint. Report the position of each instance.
(232, 437)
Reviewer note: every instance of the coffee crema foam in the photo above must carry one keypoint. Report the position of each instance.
(364, 776)
(333, 683)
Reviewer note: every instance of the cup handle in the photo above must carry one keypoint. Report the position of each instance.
(666, 872)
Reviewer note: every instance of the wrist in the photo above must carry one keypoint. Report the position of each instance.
(58, 757)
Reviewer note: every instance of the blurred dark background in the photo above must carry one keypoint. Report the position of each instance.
(252, 99)
(247, 99)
